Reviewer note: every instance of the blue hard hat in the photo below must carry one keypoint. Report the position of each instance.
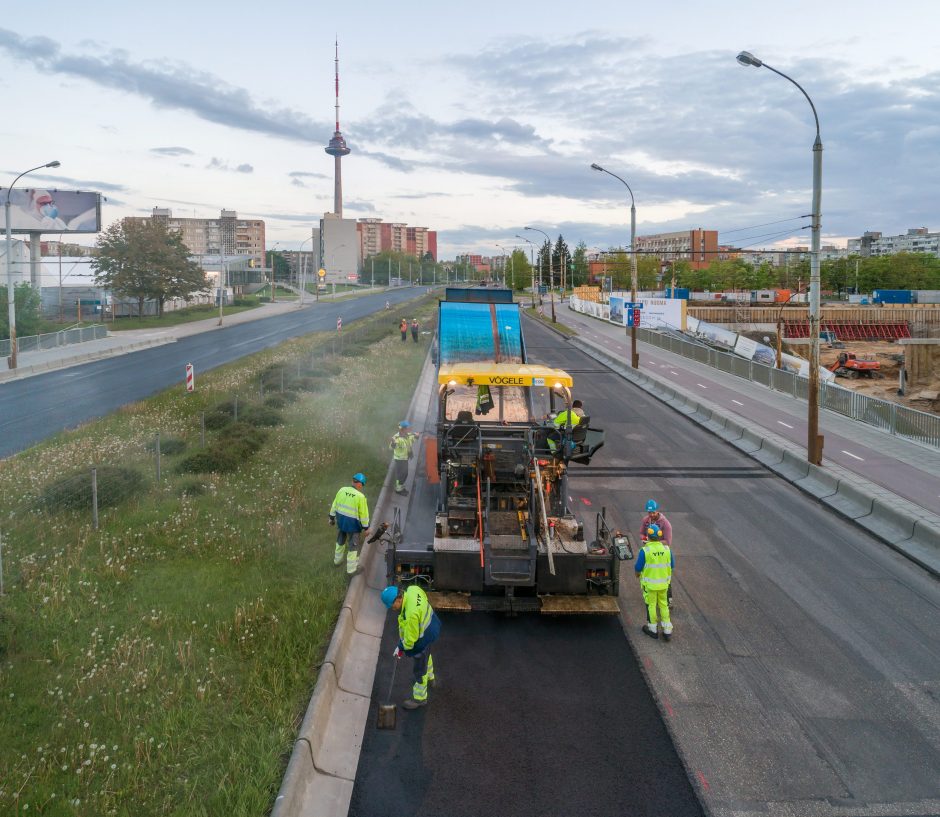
(360, 477)
(653, 532)
(389, 594)
(651, 506)
(404, 424)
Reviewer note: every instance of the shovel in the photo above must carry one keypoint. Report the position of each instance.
(386, 717)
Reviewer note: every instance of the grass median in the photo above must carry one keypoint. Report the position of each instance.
(161, 663)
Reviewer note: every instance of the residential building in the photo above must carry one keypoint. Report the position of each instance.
(339, 248)
(699, 247)
(376, 236)
(916, 239)
(226, 234)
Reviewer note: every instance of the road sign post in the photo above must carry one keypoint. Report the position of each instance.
(190, 378)
(339, 324)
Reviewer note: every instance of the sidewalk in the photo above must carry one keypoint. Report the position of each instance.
(119, 343)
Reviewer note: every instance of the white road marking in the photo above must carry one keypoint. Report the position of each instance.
(784, 424)
(672, 372)
(701, 386)
(854, 456)
(738, 402)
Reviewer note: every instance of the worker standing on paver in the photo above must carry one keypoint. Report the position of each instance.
(403, 328)
(350, 513)
(414, 329)
(654, 566)
(402, 446)
(418, 629)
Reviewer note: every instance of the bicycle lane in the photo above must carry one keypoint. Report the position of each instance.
(910, 470)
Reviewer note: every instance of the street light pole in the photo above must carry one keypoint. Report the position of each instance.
(814, 440)
(11, 290)
(532, 267)
(634, 355)
(303, 268)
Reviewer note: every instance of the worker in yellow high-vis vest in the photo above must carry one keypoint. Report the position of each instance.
(350, 513)
(654, 566)
(402, 445)
(418, 628)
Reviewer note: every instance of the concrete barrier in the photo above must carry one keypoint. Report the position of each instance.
(749, 442)
(793, 466)
(850, 500)
(819, 482)
(890, 521)
(924, 546)
(769, 453)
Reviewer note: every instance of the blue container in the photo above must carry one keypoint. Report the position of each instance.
(893, 296)
(681, 293)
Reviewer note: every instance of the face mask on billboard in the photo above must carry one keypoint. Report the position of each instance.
(49, 210)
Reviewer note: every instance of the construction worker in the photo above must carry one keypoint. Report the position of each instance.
(654, 566)
(402, 446)
(414, 329)
(403, 328)
(655, 517)
(576, 413)
(418, 629)
(350, 513)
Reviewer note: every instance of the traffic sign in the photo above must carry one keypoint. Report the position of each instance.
(628, 305)
(633, 317)
(190, 378)
(339, 324)
(321, 273)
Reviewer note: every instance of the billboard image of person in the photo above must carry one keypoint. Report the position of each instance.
(52, 211)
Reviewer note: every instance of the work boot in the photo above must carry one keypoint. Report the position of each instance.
(666, 636)
(356, 572)
(411, 703)
(401, 491)
(649, 631)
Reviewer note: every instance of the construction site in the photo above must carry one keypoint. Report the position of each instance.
(893, 351)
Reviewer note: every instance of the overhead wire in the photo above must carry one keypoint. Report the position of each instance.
(765, 224)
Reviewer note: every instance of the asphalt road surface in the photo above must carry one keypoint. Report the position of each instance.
(34, 408)
(803, 677)
(857, 452)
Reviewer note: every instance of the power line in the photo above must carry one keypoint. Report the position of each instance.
(765, 224)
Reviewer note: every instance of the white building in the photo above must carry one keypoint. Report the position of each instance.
(917, 239)
(339, 249)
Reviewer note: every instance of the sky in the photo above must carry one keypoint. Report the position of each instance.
(482, 120)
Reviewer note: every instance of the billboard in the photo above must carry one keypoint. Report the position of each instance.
(664, 312)
(41, 210)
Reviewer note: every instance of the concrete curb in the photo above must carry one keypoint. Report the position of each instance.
(321, 771)
(899, 523)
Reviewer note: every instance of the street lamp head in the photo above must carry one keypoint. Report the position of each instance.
(54, 163)
(595, 166)
(747, 58)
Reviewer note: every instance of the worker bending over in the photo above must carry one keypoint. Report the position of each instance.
(350, 513)
(654, 566)
(418, 629)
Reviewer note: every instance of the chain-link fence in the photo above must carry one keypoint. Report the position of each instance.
(51, 340)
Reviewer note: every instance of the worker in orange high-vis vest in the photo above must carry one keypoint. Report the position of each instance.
(654, 566)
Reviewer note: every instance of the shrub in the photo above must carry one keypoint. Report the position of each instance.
(168, 446)
(310, 384)
(226, 453)
(193, 487)
(276, 401)
(261, 416)
(325, 368)
(115, 485)
(217, 419)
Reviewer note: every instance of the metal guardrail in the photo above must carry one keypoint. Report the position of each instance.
(901, 421)
(51, 340)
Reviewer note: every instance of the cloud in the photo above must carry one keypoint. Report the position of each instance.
(172, 151)
(219, 164)
(307, 174)
(68, 182)
(170, 86)
(359, 204)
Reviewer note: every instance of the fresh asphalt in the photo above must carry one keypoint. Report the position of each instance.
(802, 678)
(37, 407)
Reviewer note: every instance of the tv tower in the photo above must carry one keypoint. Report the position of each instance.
(337, 149)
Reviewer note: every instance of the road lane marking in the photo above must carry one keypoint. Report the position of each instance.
(672, 372)
(855, 456)
(738, 402)
(701, 386)
(784, 424)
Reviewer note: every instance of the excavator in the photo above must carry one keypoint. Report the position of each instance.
(851, 366)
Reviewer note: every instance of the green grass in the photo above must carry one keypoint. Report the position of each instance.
(547, 319)
(178, 316)
(160, 665)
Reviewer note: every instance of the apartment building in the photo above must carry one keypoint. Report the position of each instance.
(377, 236)
(916, 239)
(226, 234)
(699, 247)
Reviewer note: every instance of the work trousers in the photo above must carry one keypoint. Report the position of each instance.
(414, 335)
(347, 543)
(657, 598)
(404, 336)
(423, 669)
(401, 474)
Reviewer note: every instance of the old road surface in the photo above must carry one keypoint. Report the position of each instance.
(803, 678)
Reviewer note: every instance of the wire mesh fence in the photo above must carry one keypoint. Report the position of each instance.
(52, 340)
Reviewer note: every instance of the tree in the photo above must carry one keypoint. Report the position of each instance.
(519, 270)
(579, 265)
(561, 259)
(279, 264)
(142, 260)
(27, 304)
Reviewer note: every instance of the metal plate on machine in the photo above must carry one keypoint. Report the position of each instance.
(579, 605)
(448, 544)
(449, 602)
